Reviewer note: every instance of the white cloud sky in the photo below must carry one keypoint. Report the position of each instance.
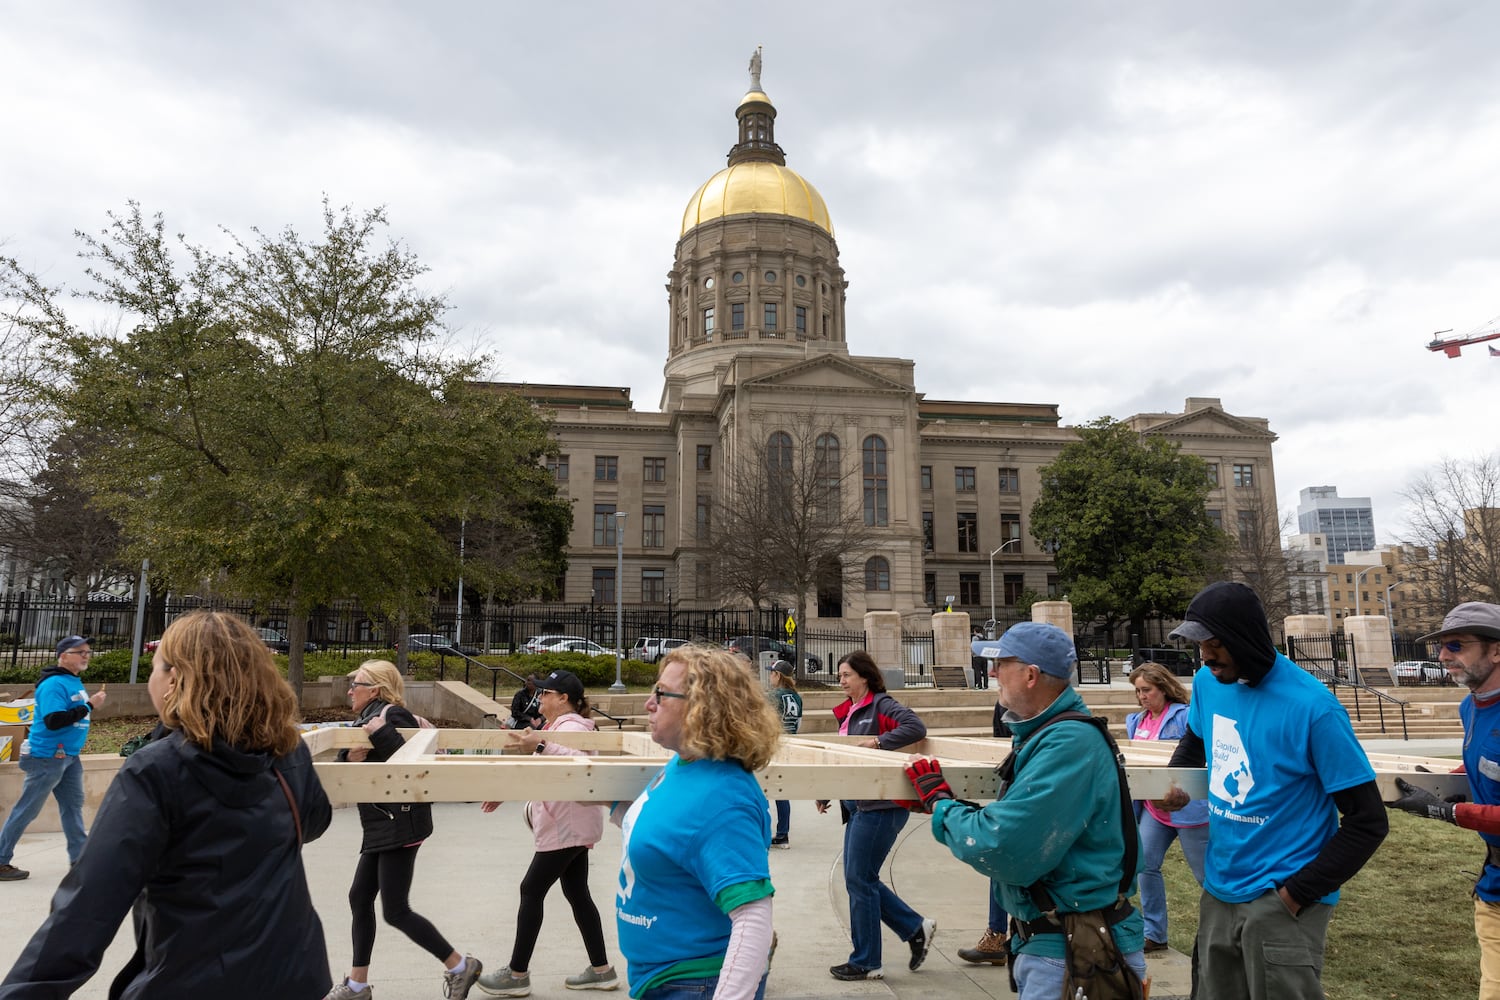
(1110, 207)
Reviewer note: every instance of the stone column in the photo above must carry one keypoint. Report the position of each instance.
(1370, 635)
(1302, 626)
(950, 642)
(1059, 613)
(883, 642)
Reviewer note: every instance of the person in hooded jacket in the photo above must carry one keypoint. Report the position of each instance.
(393, 833)
(564, 833)
(1293, 808)
(203, 831)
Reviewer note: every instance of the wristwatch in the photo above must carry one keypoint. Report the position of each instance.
(541, 746)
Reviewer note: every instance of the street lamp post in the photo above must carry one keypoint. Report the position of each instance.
(994, 622)
(618, 687)
(1357, 578)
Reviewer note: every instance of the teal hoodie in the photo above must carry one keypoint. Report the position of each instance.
(1059, 822)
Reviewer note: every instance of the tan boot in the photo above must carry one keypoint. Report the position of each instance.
(991, 950)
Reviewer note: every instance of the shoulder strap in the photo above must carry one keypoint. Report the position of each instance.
(291, 800)
(1038, 892)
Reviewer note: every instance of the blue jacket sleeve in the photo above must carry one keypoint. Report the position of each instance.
(908, 729)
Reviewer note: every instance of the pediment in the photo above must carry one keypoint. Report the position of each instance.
(1210, 422)
(826, 373)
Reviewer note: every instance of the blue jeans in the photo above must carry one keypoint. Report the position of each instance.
(62, 777)
(1156, 837)
(689, 989)
(868, 838)
(1041, 978)
(999, 920)
(783, 817)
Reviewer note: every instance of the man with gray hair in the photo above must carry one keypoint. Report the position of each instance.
(1469, 646)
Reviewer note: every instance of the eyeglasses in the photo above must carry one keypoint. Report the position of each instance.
(661, 695)
(85, 653)
(362, 684)
(1457, 645)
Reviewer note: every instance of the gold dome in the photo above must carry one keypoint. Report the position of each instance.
(760, 187)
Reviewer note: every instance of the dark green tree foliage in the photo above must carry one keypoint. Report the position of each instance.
(277, 422)
(1126, 515)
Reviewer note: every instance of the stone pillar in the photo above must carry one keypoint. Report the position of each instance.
(1370, 635)
(1302, 626)
(950, 642)
(883, 642)
(1059, 613)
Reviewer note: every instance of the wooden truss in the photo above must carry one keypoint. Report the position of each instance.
(474, 765)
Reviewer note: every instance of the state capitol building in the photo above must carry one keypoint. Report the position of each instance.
(757, 346)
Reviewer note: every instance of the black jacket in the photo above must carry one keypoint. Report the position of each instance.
(210, 840)
(388, 825)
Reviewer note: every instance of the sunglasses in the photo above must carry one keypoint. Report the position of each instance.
(362, 684)
(1457, 645)
(661, 694)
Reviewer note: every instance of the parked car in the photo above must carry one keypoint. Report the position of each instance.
(650, 649)
(751, 646)
(431, 642)
(585, 646)
(666, 646)
(541, 643)
(1180, 662)
(1413, 672)
(279, 643)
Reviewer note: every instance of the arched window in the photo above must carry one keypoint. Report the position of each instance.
(826, 464)
(779, 472)
(877, 574)
(877, 483)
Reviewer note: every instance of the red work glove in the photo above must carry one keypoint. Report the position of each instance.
(927, 777)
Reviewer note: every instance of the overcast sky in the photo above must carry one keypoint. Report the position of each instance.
(1106, 206)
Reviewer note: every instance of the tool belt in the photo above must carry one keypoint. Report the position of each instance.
(1052, 923)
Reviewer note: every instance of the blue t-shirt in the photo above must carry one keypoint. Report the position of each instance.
(694, 848)
(59, 691)
(1276, 754)
(1482, 762)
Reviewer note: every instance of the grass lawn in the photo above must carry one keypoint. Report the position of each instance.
(1404, 926)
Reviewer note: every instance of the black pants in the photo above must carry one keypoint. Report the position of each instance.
(389, 874)
(570, 866)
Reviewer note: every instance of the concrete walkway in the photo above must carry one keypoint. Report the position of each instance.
(466, 884)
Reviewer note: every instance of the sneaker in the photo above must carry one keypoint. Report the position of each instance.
(921, 943)
(456, 985)
(10, 873)
(850, 972)
(781, 843)
(506, 984)
(588, 979)
(343, 991)
(991, 950)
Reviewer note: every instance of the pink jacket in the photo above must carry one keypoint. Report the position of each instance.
(556, 825)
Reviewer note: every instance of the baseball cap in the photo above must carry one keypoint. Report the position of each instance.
(1473, 617)
(1191, 631)
(71, 642)
(563, 681)
(1042, 644)
(783, 667)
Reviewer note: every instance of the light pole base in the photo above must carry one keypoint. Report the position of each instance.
(618, 688)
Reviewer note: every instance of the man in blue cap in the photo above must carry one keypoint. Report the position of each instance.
(49, 756)
(1060, 821)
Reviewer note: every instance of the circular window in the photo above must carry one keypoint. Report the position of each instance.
(801, 281)
(708, 282)
(737, 277)
(771, 277)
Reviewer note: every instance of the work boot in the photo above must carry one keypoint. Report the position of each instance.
(991, 950)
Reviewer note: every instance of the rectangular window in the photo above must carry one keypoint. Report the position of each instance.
(606, 468)
(925, 479)
(1054, 586)
(1338, 595)
(1348, 577)
(802, 319)
(1216, 518)
(1010, 532)
(1013, 584)
(703, 581)
(1010, 480)
(929, 589)
(770, 323)
(968, 588)
(604, 585)
(737, 315)
(968, 532)
(705, 457)
(963, 478)
(558, 466)
(107, 626)
(654, 470)
(653, 586)
(653, 526)
(708, 323)
(604, 524)
(927, 531)
(1247, 528)
(704, 507)
(1213, 474)
(1244, 476)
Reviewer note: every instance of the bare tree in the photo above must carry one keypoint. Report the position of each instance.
(793, 505)
(1454, 511)
(1255, 556)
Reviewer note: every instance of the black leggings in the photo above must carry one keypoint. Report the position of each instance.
(388, 874)
(571, 866)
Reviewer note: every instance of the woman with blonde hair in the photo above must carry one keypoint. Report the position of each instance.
(694, 900)
(204, 828)
(1163, 716)
(393, 833)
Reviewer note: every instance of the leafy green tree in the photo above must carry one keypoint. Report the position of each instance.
(275, 420)
(1126, 517)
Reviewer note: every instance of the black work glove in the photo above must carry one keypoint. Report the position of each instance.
(927, 776)
(1420, 802)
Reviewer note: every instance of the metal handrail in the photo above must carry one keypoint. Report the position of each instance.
(1333, 680)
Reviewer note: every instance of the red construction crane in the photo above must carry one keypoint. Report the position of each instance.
(1451, 346)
